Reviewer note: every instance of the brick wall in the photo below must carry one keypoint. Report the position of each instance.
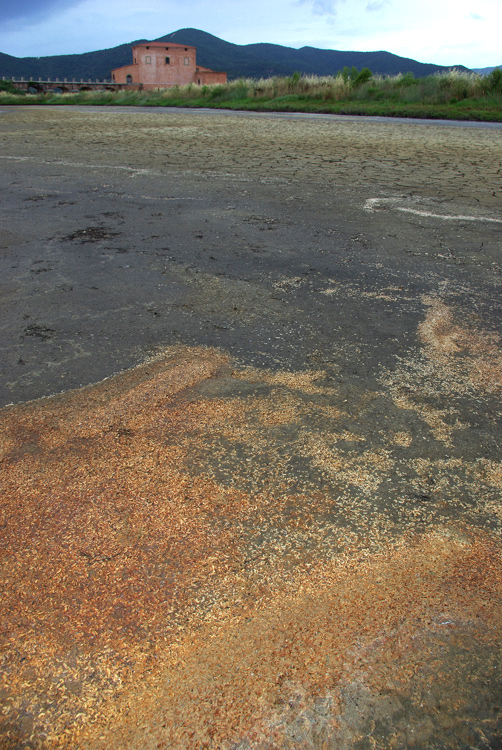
(159, 65)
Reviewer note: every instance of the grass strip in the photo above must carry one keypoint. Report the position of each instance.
(450, 96)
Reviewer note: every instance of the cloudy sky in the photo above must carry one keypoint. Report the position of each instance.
(446, 32)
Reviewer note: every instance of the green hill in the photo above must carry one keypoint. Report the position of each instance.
(248, 60)
(264, 60)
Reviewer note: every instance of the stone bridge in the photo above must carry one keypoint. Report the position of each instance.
(65, 85)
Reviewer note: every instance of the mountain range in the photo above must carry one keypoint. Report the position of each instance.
(248, 60)
(485, 71)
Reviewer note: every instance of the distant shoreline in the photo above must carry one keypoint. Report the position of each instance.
(481, 124)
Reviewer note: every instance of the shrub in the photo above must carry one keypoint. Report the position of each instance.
(349, 74)
(494, 81)
(407, 80)
(9, 87)
(217, 91)
(362, 77)
(237, 89)
(354, 76)
(293, 81)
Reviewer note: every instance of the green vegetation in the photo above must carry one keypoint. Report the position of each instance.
(7, 87)
(453, 95)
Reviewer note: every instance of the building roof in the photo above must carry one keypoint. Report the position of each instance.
(163, 45)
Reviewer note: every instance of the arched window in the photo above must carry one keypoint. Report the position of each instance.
(129, 79)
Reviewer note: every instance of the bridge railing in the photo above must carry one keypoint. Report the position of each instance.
(58, 80)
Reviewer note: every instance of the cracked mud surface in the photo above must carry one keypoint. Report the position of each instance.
(279, 525)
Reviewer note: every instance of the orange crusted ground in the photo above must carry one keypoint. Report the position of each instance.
(156, 597)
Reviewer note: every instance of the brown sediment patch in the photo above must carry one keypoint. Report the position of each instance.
(456, 360)
(102, 539)
(258, 676)
(481, 349)
(194, 555)
(366, 471)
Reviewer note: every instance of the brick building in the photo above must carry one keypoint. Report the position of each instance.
(160, 65)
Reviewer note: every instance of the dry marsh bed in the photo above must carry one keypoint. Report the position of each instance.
(200, 552)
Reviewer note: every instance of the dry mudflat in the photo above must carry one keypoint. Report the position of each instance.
(251, 432)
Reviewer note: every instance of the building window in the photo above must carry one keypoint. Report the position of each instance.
(129, 79)
(187, 61)
(168, 60)
(148, 60)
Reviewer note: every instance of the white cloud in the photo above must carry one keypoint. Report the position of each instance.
(377, 5)
(322, 7)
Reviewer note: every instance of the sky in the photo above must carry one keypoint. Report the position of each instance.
(444, 32)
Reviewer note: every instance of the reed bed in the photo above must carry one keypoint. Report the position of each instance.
(455, 94)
